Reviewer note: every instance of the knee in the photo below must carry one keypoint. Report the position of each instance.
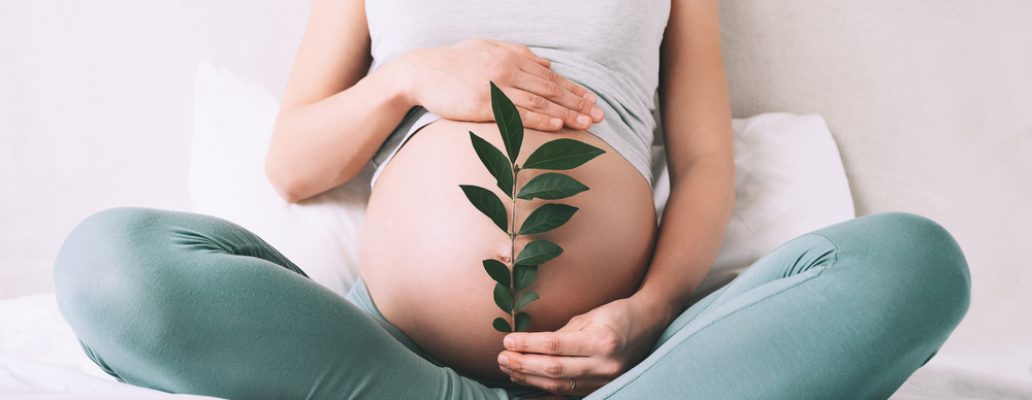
(98, 242)
(92, 267)
(933, 264)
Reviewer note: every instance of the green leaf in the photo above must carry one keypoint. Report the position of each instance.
(508, 120)
(526, 298)
(551, 186)
(538, 252)
(562, 154)
(545, 218)
(498, 271)
(522, 322)
(525, 275)
(496, 163)
(501, 325)
(503, 297)
(488, 203)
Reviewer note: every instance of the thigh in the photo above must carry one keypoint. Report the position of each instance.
(847, 311)
(189, 303)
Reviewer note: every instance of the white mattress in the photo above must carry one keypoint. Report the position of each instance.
(41, 359)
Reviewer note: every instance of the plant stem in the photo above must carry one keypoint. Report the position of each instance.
(512, 256)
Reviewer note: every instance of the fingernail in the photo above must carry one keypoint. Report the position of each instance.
(596, 113)
(589, 96)
(555, 122)
(509, 342)
(503, 360)
(583, 119)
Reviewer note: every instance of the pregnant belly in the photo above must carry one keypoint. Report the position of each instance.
(423, 243)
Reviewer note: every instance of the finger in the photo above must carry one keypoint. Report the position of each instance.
(558, 385)
(577, 343)
(531, 118)
(579, 92)
(573, 96)
(597, 114)
(574, 110)
(542, 105)
(549, 74)
(558, 366)
(527, 52)
(539, 121)
(557, 85)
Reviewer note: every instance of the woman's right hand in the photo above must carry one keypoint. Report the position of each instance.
(452, 82)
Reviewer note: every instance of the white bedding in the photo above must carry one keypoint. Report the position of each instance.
(41, 359)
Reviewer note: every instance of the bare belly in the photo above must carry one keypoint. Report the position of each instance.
(423, 243)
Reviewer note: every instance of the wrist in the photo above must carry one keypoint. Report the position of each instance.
(659, 310)
(398, 77)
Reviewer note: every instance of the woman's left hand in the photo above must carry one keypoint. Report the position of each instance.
(588, 352)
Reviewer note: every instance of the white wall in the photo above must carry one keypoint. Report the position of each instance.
(96, 106)
(931, 104)
(930, 101)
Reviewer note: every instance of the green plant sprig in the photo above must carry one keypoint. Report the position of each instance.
(513, 279)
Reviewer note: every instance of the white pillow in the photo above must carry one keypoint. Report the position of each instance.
(789, 180)
(233, 121)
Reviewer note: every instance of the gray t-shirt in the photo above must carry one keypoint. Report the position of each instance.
(610, 47)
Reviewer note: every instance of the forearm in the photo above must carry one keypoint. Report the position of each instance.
(692, 229)
(323, 144)
(696, 110)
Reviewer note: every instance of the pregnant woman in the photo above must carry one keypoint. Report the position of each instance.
(190, 303)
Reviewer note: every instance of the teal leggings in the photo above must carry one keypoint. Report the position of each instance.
(190, 303)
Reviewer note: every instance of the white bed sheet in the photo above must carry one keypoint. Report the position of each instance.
(41, 359)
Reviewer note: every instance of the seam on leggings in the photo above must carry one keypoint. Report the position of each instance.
(707, 306)
(833, 244)
(746, 307)
(254, 246)
(257, 250)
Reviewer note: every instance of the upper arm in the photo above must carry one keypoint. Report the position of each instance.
(696, 109)
(334, 53)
